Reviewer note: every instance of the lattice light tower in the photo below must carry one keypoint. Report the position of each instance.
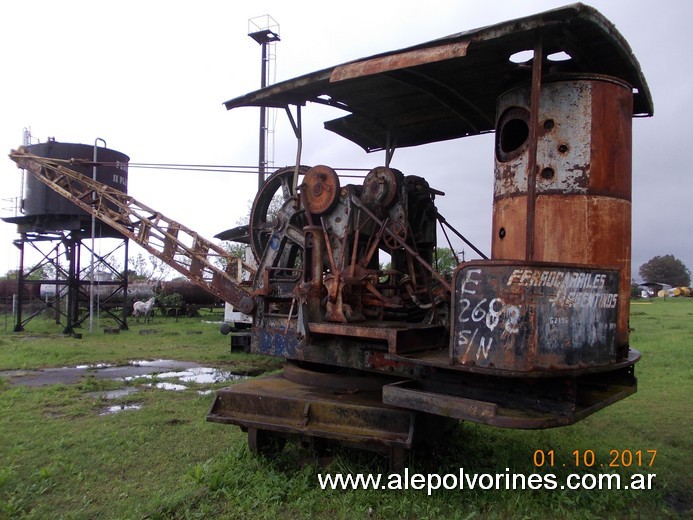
(265, 31)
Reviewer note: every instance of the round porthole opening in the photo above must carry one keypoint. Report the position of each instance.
(512, 133)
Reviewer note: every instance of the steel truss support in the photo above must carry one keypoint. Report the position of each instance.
(60, 255)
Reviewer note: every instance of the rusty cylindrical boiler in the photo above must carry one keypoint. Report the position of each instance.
(581, 202)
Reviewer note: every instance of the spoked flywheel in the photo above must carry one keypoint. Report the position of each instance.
(276, 211)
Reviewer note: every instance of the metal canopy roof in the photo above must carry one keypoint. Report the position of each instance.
(447, 88)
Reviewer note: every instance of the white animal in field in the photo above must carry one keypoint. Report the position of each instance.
(144, 309)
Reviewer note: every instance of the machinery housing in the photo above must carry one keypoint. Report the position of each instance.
(536, 336)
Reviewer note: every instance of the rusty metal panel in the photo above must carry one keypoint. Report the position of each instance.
(400, 338)
(590, 230)
(509, 217)
(528, 404)
(612, 141)
(278, 404)
(170, 237)
(583, 143)
(399, 61)
(582, 229)
(533, 316)
(455, 94)
(407, 395)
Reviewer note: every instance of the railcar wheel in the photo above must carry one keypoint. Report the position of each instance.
(398, 458)
(265, 442)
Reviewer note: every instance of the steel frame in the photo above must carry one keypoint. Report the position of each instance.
(65, 250)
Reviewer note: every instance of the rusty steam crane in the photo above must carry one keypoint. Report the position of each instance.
(536, 336)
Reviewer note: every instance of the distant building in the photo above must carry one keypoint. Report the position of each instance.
(650, 289)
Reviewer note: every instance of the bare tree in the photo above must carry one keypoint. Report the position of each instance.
(147, 268)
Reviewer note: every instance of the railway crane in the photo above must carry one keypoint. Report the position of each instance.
(536, 336)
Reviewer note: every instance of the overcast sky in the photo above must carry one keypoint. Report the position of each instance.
(149, 77)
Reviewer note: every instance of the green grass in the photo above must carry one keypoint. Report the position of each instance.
(42, 344)
(60, 459)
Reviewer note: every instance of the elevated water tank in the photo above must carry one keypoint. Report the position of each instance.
(42, 204)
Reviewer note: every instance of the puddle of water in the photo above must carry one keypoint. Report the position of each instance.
(183, 372)
(95, 366)
(143, 376)
(167, 375)
(162, 363)
(204, 375)
(169, 386)
(199, 375)
(114, 394)
(119, 408)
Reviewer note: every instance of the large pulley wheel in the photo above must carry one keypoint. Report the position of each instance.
(381, 187)
(320, 189)
(274, 208)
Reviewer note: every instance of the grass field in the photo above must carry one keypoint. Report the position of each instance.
(60, 458)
